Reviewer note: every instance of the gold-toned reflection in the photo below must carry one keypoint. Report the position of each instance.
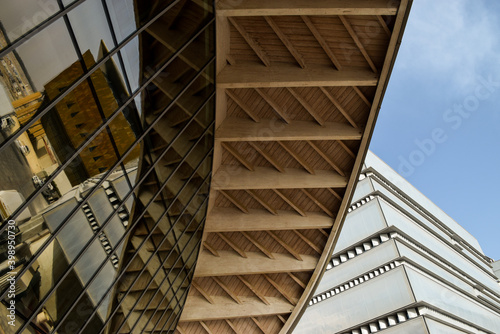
(27, 164)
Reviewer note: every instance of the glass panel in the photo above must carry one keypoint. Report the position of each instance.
(94, 38)
(430, 242)
(361, 264)
(388, 292)
(449, 300)
(361, 223)
(122, 17)
(19, 17)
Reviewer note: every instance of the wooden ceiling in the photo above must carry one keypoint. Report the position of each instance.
(299, 84)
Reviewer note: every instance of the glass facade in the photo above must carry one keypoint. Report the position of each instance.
(106, 140)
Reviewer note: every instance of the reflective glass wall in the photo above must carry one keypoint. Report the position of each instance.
(106, 139)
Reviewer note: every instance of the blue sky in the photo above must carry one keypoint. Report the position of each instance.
(439, 125)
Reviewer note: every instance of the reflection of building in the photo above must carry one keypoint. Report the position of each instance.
(12, 73)
(403, 264)
(77, 117)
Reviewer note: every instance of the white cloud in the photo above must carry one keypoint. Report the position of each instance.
(449, 39)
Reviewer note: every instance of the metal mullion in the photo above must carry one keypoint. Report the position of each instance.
(29, 34)
(84, 201)
(98, 131)
(166, 308)
(105, 294)
(175, 292)
(51, 105)
(93, 91)
(170, 253)
(94, 237)
(122, 66)
(150, 233)
(118, 244)
(166, 258)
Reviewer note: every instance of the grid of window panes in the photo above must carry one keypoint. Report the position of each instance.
(106, 140)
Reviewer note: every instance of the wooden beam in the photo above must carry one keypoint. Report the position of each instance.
(339, 107)
(252, 75)
(231, 219)
(253, 44)
(358, 43)
(288, 44)
(280, 290)
(231, 244)
(257, 244)
(252, 288)
(318, 203)
(285, 245)
(309, 242)
(267, 156)
(261, 201)
(237, 155)
(243, 106)
(197, 309)
(305, 7)
(294, 205)
(233, 327)
(322, 42)
(230, 263)
(202, 292)
(261, 327)
(234, 178)
(235, 201)
(326, 157)
(240, 129)
(227, 290)
(276, 107)
(362, 96)
(384, 25)
(297, 157)
(306, 106)
(347, 149)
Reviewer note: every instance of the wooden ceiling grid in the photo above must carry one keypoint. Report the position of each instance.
(298, 85)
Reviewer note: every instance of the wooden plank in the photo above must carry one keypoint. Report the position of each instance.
(297, 157)
(305, 7)
(261, 201)
(280, 290)
(252, 75)
(322, 42)
(203, 292)
(252, 288)
(235, 201)
(234, 178)
(240, 129)
(306, 106)
(285, 245)
(233, 327)
(347, 149)
(231, 219)
(362, 96)
(339, 107)
(276, 107)
(231, 244)
(257, 244)
(227, 290)
(251, 42)
(243, 106)
(238, 156)
(230, 263)
(267, 156)
(326, 157)
(288, 44)
(294, 205)
(318, 203)
(197, 309)
(358, 43)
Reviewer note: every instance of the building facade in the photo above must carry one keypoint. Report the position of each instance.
(402, 265)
